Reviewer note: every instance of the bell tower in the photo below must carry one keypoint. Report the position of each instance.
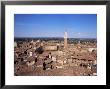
(65, 40)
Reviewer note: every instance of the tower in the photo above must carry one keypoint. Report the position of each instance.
(65, 40)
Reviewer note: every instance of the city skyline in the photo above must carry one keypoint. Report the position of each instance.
(54, 25)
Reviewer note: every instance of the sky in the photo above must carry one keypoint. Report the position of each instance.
(54, 25)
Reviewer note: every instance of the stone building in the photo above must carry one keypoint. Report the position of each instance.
(50, 48)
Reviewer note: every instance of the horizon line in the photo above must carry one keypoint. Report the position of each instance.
(57, 37)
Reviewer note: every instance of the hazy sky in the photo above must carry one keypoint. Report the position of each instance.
(54, 25)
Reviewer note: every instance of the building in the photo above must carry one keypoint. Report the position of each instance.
(15, 44)
(92, 49)
(51, 48)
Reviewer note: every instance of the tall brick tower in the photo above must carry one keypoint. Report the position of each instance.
(65, 40)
